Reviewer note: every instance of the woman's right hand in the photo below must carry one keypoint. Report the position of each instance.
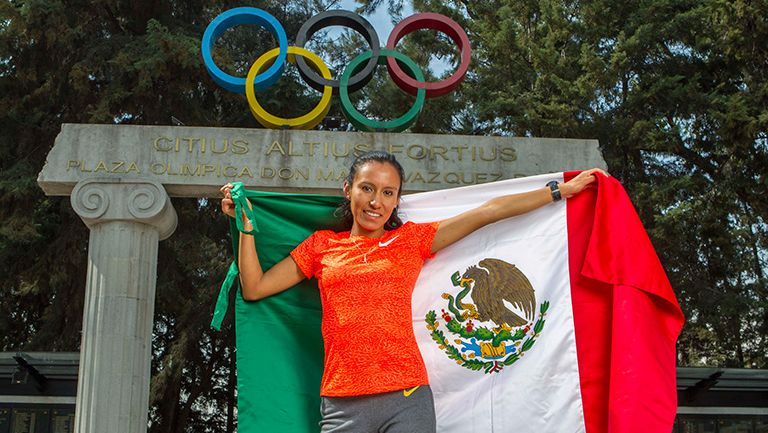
(227, 204)
(254, 283)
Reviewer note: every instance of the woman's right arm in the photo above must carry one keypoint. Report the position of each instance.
(254, 282)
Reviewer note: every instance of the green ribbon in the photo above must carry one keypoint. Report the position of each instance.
(241, 204)
(240, 197)
(222, 303)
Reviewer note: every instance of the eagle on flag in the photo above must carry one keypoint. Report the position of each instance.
(496, 281)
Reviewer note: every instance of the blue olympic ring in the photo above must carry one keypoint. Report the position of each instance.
(234, 17)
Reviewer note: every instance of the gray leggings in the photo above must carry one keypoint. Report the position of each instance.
(390, 412)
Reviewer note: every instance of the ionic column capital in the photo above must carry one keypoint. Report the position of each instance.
(99, 201)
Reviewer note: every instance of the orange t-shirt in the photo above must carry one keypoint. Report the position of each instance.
(365, 287)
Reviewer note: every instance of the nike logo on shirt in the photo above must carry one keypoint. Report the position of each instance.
(384, 244)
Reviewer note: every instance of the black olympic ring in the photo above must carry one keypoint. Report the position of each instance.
(344, 19)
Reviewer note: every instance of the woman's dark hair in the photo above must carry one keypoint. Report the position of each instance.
(344, 211)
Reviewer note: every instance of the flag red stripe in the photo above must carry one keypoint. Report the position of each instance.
(626, 316)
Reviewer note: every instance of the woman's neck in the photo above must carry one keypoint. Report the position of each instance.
(358, 231)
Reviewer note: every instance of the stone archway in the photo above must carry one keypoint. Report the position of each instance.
(120, 179)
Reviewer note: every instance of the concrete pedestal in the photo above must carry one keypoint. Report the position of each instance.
(127, 219)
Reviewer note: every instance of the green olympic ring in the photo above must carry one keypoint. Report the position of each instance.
(365, 124)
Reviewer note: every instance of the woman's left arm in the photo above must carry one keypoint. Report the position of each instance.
(455, 228)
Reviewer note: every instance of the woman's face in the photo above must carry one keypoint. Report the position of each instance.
(373, 196)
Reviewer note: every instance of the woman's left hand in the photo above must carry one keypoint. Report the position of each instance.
(581, 181)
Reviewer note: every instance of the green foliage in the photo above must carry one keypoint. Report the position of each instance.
(476, 365)
(431, 318)
(527, 344)
(470, 362)
(544, 307)
(480, 333)
(438, 337)
(453, 353)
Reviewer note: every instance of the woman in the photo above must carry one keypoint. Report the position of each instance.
(374, 379)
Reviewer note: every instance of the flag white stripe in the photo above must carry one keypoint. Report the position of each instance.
(540, 392)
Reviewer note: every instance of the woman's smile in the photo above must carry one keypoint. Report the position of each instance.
(373, 196)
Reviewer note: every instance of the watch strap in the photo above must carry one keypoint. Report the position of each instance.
(554, 188)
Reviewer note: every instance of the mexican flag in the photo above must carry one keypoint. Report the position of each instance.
(559, 320)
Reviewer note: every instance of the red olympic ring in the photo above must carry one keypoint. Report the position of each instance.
(440, 23)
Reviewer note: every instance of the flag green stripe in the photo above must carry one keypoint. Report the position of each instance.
(279, 345)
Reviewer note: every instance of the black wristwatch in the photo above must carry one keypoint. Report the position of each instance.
(555, 189)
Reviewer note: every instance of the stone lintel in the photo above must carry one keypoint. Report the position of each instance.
(196, 161)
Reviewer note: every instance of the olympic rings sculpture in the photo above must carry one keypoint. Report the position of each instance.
(268, 68)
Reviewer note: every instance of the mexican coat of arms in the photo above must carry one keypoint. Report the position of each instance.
(487, 335)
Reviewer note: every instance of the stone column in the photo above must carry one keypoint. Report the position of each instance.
(127, 218)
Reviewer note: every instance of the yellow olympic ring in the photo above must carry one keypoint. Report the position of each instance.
(307, 121)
